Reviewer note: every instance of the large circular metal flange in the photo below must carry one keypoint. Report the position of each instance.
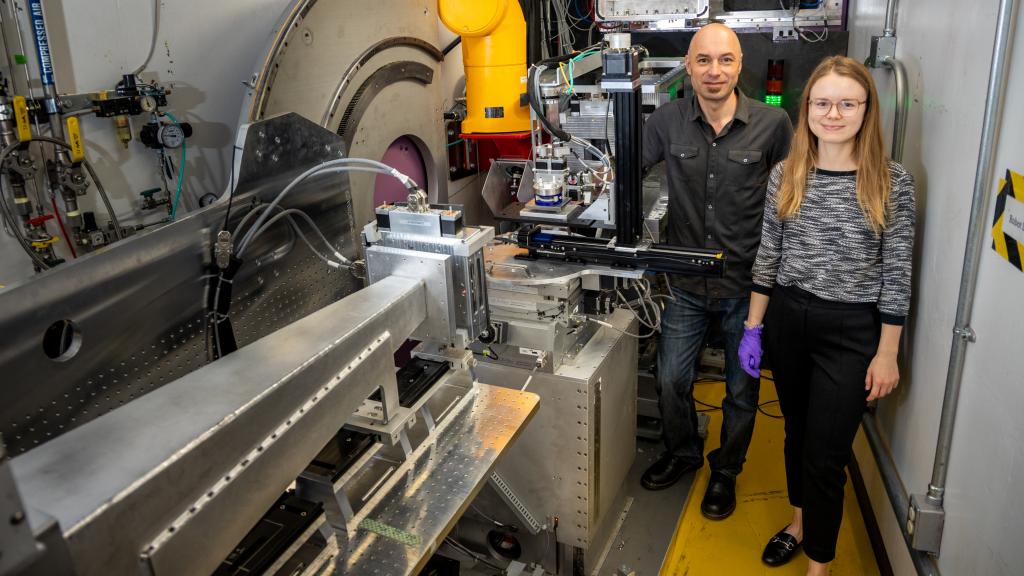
(373, 65)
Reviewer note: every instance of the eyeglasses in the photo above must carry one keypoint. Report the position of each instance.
(822, 106)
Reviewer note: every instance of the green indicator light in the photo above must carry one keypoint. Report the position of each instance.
(20, 59)
(773, 99)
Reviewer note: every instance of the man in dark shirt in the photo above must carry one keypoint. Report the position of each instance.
(718, 147)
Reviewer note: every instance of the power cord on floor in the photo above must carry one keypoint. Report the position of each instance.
(713, 407)
(476, 557)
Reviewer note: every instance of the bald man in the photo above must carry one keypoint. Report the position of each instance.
(718, 147)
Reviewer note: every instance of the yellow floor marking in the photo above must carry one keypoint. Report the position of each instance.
(733, 546)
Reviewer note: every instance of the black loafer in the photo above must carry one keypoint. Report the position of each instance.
(720, 497)
(667, 471)
(780, 549)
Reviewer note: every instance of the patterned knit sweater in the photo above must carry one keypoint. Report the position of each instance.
(829, 250)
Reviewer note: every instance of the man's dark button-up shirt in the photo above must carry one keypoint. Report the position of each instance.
(716, 183)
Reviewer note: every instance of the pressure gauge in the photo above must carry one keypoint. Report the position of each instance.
(148, 103)
(157, 135)
(171, 136)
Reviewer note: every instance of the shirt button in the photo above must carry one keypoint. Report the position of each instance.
(709, 236)
(711, 206)
(712, 176)
(714, 144)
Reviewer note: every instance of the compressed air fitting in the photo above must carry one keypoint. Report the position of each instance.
(123, 127)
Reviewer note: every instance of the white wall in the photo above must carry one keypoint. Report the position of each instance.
(205, 50)
(947, 47)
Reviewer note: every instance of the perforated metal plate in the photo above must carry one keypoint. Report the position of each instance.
(139, 305)
(411, 516)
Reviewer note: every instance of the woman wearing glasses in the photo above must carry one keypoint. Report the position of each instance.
(832, 286)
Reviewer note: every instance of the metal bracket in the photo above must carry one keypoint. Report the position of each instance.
(965, 333)
(882, 49)
(784, 33)
(925, 522)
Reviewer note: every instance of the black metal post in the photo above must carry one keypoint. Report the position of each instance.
(628, 167)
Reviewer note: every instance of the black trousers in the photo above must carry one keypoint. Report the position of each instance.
(820, 352)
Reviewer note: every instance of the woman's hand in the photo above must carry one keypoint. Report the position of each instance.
(883, 375)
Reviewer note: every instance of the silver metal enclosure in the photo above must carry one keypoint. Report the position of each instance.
(573, 458)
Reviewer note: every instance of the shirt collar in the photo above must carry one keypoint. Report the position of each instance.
(742, 108)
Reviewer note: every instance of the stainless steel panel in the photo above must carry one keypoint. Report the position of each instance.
(139, 304)
(410, 517)
(17, 543)
(210, 439)
(496, 191)
(573, 458)
(217, 520)
(470, 288)
(415, 223)
(435, 270)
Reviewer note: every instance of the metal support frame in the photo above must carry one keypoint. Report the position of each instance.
(628, 159)
(164, 475)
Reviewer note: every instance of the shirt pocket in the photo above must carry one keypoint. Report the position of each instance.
(687, 168)
(744, 158)
(684, 152)
(744, 171)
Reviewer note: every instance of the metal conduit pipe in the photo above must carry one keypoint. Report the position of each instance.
(977, 237)
(924, 563)
(890, 18)
(899, 131)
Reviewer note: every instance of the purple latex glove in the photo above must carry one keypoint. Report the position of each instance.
(750, 351)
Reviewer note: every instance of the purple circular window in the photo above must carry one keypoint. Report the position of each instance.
(404, 155)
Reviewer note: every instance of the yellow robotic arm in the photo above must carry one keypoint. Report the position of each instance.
(494, 55)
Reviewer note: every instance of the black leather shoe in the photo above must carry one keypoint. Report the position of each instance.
(720, 497)
(667, 471)
(780, 549)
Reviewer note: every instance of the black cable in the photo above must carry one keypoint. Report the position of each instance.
(454, 544)
(532, 94)
(760, 407)
(451, 46)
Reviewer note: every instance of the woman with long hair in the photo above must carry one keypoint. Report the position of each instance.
(832, 286)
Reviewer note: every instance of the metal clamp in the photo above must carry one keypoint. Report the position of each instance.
(965, 333)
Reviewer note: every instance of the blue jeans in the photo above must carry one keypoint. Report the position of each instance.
(683, 328)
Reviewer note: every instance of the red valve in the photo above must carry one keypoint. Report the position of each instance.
(40, 220)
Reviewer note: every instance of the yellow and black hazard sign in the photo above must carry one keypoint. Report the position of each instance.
(1008, 223)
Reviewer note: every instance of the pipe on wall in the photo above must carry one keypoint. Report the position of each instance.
(890, 18)
(923, 562)
(899, 131)
(977, 237)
